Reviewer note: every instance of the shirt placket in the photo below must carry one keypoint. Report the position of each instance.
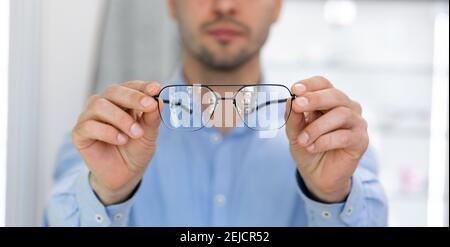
(221, 179)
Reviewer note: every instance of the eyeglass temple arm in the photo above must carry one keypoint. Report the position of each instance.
(273, 102)
(166, 101)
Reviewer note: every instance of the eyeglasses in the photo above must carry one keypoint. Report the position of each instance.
(191, 107)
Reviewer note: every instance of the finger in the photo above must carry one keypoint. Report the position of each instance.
(129, 98)
(312, 116)
(151, 88)
(85, 133)
(105, 111)
(91, 99)
(298, 89)
(356, 107)
(294, 124)
(150, 121)
(338, 118)
(338, 139)
(310, 85)
(320, 100)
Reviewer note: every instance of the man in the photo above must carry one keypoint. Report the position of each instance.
(124, 170)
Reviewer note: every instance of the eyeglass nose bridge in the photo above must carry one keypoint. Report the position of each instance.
(226, 98)
(232, 98)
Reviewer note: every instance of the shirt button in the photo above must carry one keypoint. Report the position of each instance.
(326, 214)
(118, 216)
(349, 211)
(219, 199)
(216, 138)
(99, 218)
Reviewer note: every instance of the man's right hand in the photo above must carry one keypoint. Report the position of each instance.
(116, 136)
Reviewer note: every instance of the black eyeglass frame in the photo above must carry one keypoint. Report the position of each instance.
(233, 98)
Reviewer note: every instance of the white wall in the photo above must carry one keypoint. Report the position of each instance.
(52, 68)
(4, 49)
(70, 32)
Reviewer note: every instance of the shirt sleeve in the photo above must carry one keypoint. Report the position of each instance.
(74, 203)
(366, 204)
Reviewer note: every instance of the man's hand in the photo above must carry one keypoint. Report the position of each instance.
(116, 136)
(327, 137)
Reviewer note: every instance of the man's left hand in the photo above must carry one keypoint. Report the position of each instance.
(327, 137)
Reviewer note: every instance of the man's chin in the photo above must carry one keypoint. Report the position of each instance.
(224, 60)
(225, 66)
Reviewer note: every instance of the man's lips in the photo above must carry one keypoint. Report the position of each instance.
(225, 33)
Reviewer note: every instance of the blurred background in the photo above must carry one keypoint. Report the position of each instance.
(392, 56)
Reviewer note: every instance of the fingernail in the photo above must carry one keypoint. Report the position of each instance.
(311, 148)
(136, 130)
(121, 138)
(146, 101)
(300, 88)
(301, 101)
(303, 138)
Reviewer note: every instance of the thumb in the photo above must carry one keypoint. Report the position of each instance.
(295, 123)
(151, 120)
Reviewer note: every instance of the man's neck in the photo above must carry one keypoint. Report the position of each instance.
(195, 72)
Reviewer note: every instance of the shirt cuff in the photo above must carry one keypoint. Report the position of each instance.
(347, 213)
(93, 212)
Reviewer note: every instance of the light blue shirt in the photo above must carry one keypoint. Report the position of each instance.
(205, 179)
